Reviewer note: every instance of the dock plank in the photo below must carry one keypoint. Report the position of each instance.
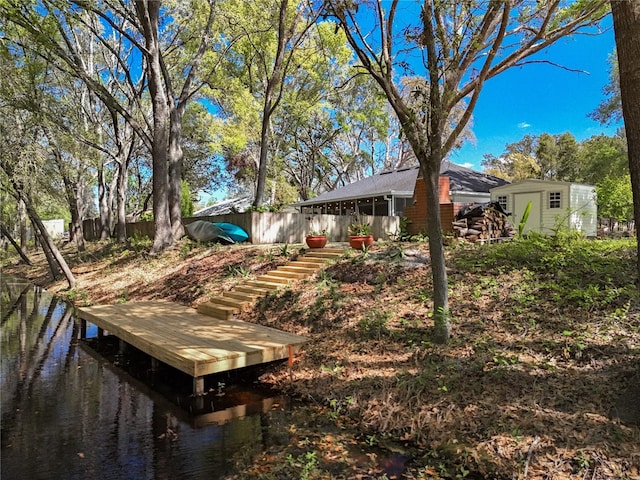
(193, 343)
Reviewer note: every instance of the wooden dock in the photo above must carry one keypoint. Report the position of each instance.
(189, 341)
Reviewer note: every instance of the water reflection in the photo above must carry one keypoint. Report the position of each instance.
(69, 413)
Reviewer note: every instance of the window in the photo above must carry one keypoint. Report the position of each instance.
(502, 200)
(554, 199)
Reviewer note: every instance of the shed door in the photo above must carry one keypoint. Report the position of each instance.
(520, 201)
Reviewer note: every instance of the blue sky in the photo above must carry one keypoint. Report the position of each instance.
(540, 98)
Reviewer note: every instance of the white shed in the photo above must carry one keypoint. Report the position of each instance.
(553, 205)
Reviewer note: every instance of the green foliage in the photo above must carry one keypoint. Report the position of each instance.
(523, 220)
(264, 208)
(560, 157)
(610, 109)
(285, 250)
(576, 272)
(358, 228)
(140, 243)
(615, 198)
(186, 202)
(374, 324)
(237, 270)
(306, 465)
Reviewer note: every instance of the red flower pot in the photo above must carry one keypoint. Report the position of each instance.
(360, 241)
(316, 241)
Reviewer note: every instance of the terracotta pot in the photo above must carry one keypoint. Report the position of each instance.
(358, 241)
(316, 241)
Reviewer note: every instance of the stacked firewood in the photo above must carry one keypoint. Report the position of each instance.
(482, 223)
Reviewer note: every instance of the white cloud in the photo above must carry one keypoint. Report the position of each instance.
(524, 125)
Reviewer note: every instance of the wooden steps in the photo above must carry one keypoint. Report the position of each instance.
(252, 290)
(264, 284)
(240, 295)
(217, 311)
(246, 294)
(304, 271)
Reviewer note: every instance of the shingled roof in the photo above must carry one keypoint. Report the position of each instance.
(234, 205)
(401, 183)
(463, 179)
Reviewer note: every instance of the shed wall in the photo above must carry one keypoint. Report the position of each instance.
(577, 208)
(584, 209)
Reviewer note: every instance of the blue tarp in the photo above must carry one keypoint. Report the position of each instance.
(203, 231)
(236, 233)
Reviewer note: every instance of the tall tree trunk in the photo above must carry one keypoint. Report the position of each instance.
(121, 192)
(22, 217)
(175, 171)
(74, 191)
(103, 204)
(48, 254)
(48, 243)
(54, 257)
(148, 12)
(431, 171)
(5, 233)
(271, 99)
(76, 231)
(626, 23)
(264, 148)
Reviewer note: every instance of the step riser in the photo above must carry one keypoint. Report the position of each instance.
(303, 272)
(264, 285)
(299, 264)
(230, 302)
(280, 272)
(242, 296)
(317, 261)
(273, 279)
(260, 292)
(322, 256)
(214, 311)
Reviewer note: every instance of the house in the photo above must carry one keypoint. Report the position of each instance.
(401, 192)
(386, 193)
(553, 205)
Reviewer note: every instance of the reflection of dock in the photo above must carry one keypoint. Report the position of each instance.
(193, 413)
(191, 342)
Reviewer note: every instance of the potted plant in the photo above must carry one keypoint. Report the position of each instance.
(316, 239)
(360, 235)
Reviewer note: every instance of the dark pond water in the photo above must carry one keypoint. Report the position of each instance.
(74, 409)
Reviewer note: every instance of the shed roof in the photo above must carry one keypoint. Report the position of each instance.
(402, 182)
(548, 183)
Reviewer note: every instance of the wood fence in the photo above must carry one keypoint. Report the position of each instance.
(266, 228)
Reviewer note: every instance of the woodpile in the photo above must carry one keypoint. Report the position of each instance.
(483, 223)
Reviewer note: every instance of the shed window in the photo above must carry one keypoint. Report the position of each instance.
(554, 199)
(502, 200)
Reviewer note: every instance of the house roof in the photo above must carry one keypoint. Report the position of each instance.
(463, 179)
(402, 182)
(399, 182)
(233, 205)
